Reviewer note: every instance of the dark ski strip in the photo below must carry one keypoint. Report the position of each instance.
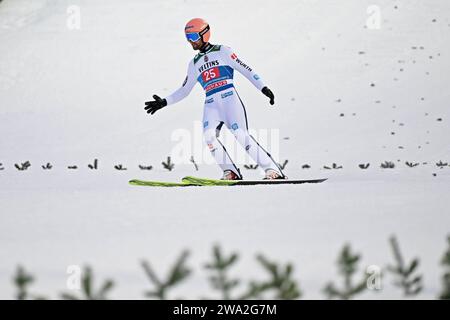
(213, 182)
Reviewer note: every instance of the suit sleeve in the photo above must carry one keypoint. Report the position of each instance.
(185, 89)
(243, 68)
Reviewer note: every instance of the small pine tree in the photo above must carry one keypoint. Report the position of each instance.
(87, 288)
(168, 164)
(192, 160)
(22, 280)
(282, 282)
(445, 294)
(177, 274)
(406, 280)
(220, 265)
(347, 265)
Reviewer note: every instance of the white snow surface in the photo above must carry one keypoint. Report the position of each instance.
(69, 96)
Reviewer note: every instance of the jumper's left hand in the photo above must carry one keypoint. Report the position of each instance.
(267, 92)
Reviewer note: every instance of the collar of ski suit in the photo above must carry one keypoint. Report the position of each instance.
(208, 47)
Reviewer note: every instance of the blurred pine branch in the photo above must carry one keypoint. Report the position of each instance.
(404, 272)
(177, 274)
(347, 265)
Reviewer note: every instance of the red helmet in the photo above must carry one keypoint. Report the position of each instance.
(197, 28)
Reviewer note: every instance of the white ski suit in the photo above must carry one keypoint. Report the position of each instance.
(214, 70)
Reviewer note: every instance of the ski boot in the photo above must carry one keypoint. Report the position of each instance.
(231, 175)
(273, 175)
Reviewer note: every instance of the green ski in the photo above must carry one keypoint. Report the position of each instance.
(215, 182)
(136, 182)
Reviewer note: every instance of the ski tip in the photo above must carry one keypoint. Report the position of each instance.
(136, 182)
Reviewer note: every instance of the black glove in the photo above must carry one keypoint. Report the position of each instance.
(267, 92)
(153, 106)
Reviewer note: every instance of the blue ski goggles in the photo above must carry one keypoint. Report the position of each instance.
(195, 36)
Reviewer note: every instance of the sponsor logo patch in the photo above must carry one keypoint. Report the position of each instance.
(210, 100)
(215, 85)
(234, 126)
(208, 64)
(226, 94)
(244, 65)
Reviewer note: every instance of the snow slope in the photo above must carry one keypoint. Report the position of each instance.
(69, 96)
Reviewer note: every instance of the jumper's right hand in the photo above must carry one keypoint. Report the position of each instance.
(153, 106)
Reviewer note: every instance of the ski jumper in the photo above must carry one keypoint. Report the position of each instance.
(214, 70)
